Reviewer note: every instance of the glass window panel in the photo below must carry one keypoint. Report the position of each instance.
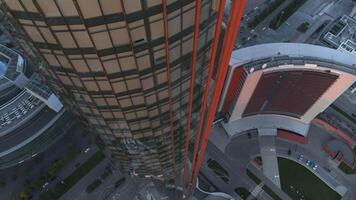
(67, 7)
(157, 29)
(34, 34)
(95, 65)
(119, 87)
(66, 40)
(80, 66)
(133, 84)
(104, 85)
(127, 63)
(89, 8)
(49, 8)
(111, 6)
(111, 66)
(91, 86)
(51, 59)
(102, 40)
(147, 83)
(13, 5)
(132, 6)
(120, 36)
(83, 39)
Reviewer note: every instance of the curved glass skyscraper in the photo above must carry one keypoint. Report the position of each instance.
(138, 71)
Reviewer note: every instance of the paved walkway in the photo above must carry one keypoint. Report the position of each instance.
(269, 158)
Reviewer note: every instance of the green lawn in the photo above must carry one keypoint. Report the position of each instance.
(242, 192)
(253, 177)
(270, 192)
(219, 170)
(295, 177)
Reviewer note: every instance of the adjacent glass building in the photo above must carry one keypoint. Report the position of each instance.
(137, 71)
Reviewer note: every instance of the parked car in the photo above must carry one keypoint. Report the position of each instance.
(87, 150)
(300, 157)
(45, 185)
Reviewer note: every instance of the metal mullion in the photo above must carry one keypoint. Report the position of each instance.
(54, 35)
(85, 60)
(236, 13)
(26, 34)
(214, 47)
(151, 52)
(191, 87)
(134, 55)
(165, 24)
(34, 24)
(92, 41)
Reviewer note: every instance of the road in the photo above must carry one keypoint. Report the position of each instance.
(241, 150)
(31, 169)
(235, 168)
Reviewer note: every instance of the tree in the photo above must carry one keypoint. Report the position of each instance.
(14, 176)
(2, 182)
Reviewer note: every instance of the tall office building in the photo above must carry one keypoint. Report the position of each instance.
(138, 71)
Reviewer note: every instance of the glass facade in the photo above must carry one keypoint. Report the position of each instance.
(110, 59)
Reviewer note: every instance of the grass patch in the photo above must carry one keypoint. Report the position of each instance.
(303, 27)
(270, 192)
(288, 11)
(265, 12)
(300, 183)
(74, 177)
(218, 170)
(92, 186)
(339, 110)
(253, 177)
(242, 192)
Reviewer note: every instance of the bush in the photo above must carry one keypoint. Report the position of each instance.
(303, 27)
(2, 182)
(242, 192)
(253, 177)
(14, 176)
(104, 175)
(93, 185)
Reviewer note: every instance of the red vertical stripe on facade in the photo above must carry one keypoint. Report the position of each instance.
(217, 32)
(229, 41)
(232, 90)
(191, 84)
(166, 50)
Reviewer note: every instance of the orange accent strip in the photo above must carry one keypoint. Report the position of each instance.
(233, 85)
(192, 80)
(166, 50)
(211, 65)
(228, 44)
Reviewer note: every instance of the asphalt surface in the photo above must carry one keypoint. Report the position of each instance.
(27, 130)
(30, 169)
(240, 150)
